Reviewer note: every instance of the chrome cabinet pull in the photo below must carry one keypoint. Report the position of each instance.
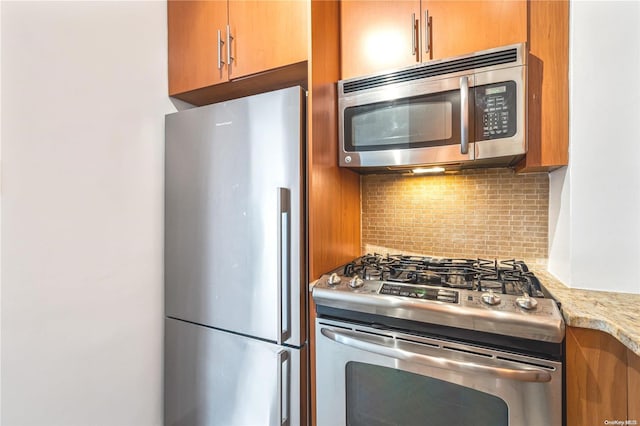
(284, 253)
(414, 50)
(402, 351)
(283, 388)
(229, 39)
(220, 43)
(427, 32)
(464, 115)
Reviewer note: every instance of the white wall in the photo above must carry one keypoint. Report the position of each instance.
(595, 203)
(83, 104)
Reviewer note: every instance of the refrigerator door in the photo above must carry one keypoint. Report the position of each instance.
(218, 378)
(234, 216)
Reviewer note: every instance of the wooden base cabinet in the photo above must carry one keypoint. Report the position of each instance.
(603, 379)
(633, 386)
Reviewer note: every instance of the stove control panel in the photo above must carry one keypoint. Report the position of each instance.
(420, 292)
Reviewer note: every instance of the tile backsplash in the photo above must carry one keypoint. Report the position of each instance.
(488, 213)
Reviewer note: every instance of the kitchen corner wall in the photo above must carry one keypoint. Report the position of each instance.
(84, 93)
(489, 213)
(595, 202)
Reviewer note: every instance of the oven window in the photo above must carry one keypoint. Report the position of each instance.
(378, 396)
(418, 122)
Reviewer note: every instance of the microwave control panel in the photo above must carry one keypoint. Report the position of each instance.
(496, 110)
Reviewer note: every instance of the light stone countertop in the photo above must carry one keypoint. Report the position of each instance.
(615, 313)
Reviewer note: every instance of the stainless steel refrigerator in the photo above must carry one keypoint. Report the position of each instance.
(235, 298)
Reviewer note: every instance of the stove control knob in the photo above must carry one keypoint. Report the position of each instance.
(491, 298)
(334, 279)
(356, 282)
(526, 302)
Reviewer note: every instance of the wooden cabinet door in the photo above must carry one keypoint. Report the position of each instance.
(596, 377)
(633, 386)
(460, 27)
(377, 36)
(193, 43)
(267, 35)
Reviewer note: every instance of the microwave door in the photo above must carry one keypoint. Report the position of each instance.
(424, 122)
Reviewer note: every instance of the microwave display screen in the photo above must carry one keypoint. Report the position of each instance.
(417, 122)
(496, 111)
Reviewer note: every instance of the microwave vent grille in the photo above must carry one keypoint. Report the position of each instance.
(432, 70)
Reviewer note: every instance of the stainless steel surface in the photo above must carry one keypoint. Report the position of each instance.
(481, 153)
(283, 388)
(284, 252)
(544, 324)
(405, 351)
(224, 164)
(229, 39)
(414, 50)
(529, 402)
(220, 43)
(400, 157)
(427, 26)
(218, 378)
(464, 115)
(517, 144)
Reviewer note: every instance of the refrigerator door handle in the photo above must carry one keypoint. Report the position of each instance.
(284, 254)
(283, 388)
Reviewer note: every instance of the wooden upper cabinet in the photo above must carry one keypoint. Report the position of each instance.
(255, 36)
(193, 51)
(267, 35)
(380, 35)
(460, 27)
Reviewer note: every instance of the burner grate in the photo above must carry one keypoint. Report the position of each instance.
(507, 276)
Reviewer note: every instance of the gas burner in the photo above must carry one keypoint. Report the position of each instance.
(506, 276)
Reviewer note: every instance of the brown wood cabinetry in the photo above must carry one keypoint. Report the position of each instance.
(213, 42)
(603, 379)
(378, 36)
(633, 386)
(548, 134)
(334, 237)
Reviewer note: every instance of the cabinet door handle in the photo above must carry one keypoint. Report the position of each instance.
(413, 35)
(229, 38)
(427, 32)
(220, 43)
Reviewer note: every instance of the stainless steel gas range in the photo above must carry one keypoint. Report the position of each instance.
(412, 340)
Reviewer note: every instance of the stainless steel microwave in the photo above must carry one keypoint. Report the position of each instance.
(462, 112)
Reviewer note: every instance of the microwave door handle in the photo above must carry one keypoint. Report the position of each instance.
(402, 351)
(464, 115)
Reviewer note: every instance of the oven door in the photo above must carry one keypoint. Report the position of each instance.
(369, 377)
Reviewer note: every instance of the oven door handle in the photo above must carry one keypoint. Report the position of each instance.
(402, 351)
